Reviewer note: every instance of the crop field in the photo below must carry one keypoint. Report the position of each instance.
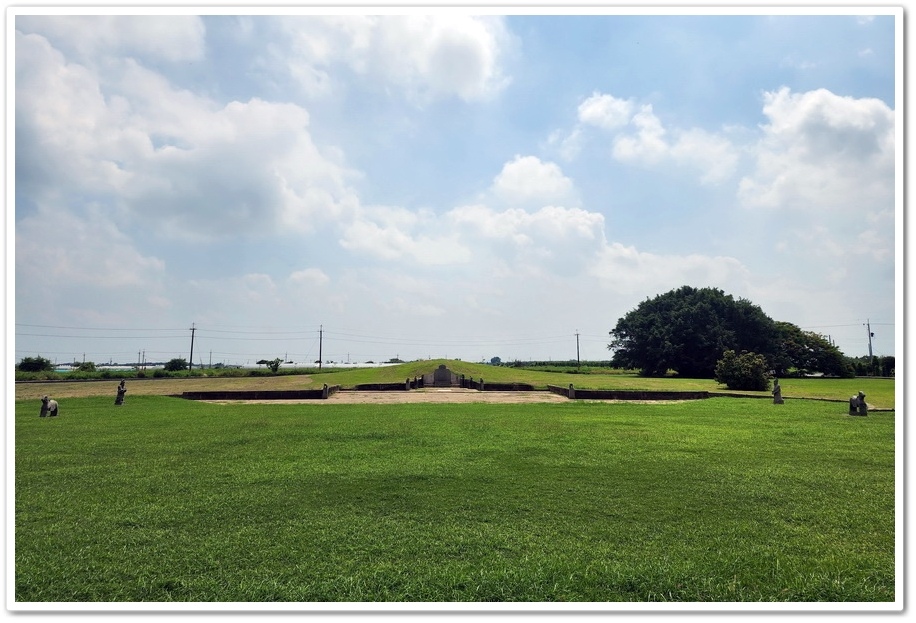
(719, 500)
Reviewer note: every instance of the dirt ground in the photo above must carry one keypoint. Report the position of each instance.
(59, 390)
(454, 395)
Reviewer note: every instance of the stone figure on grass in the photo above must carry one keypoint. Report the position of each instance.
(49, 408)
(777, 393)
(119, 400)
(857, 405)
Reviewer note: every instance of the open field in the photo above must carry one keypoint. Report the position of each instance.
(716, 500)
(879, 391)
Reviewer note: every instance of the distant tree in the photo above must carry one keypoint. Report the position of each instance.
(176, 365)
(687, 330)
(272, 364)
(747, 371)
(35, 364)
(806, 352)
(888, 365)
(86, 366)
(495, 361)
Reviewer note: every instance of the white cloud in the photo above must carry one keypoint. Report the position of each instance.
(172, 38)
(648, 144)
(524, 228)
(400, 234)
(529, 181)
(629, 271)
(425, 56)
(605, 111)
(713, 155)
(822, 152)
(638, 137)
(187, 166)
(567, 144)
(552, 240)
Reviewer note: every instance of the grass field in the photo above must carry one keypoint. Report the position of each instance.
(714, 501)
(879, 391)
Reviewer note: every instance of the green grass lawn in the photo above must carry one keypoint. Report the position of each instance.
(878, 391)
(712, 501)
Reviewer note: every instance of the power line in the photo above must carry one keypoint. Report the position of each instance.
(104, 337)
(47, 326)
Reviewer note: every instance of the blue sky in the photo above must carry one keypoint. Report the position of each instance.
(444, 184)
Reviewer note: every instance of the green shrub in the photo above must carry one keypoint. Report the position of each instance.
(747, 371)
(174, 365)
(35, 364)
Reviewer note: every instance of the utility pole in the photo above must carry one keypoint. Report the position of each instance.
(870, 336)
(871, 359)
(191, 358)
(578, 360)
(320, 340)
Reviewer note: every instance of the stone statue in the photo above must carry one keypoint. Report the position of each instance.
(857, 405)
(48, 407)
(119, 400)
(777, 393)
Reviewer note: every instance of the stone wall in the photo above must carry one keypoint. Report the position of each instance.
(280, 394)
(626, 394)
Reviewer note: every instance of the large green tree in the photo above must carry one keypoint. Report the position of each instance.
(687, 330)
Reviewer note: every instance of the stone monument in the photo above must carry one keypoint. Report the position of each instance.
(857, 405)
(48, 407)
(443, 377)
(119, 400)
(777, 393)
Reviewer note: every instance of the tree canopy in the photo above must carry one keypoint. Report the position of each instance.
(688, 329)
(176, 365)
(805, 351)
(34, 364)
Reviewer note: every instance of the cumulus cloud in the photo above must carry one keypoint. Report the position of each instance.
(605, 111)
(821, 151)
(425, 56)
(647, 144)
(638, 137)
(712, 156)
(186, 165)
(517, 226)
(627, 270)
(528, 180)
(550, 240)
(172, 38)
(522, 228)
(391, 233)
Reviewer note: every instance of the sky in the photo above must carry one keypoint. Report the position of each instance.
(446, 183)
